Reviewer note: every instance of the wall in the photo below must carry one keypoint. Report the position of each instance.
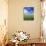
(16, 21)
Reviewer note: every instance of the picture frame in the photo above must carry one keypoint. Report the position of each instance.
(28, 13)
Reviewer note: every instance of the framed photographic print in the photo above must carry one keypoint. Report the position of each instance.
(28, 13)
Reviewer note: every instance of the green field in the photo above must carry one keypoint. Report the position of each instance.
(28, 17)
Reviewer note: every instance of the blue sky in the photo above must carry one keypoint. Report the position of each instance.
(28, 10)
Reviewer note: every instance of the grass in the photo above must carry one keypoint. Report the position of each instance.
(28, 17)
